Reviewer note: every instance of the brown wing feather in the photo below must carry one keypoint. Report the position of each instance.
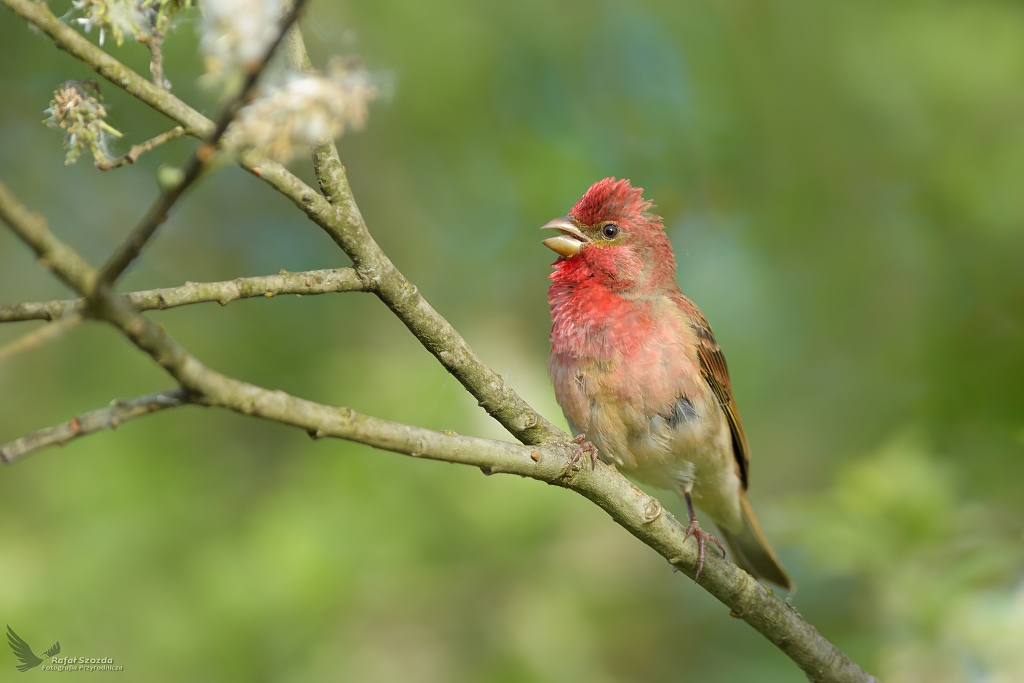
(716, 373)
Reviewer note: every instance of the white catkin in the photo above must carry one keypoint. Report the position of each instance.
(76, 110)
(305, 110)
(120, 18)
(237, 33)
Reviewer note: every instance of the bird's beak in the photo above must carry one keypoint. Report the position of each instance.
(570, 241)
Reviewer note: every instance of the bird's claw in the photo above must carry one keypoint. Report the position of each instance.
(584, 446)
(702, 538)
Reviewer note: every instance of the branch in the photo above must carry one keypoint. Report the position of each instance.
(66, 38)
(50, 251)
(340, 218)
(157, 214)
(39, 336)
(630, 507)
(110, 417)
(138, 150)
(639, 513)
(304, 283)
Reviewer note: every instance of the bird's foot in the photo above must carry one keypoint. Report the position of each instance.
(702, 538)
(584, 446)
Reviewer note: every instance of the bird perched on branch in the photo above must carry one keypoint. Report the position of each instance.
(639, 374)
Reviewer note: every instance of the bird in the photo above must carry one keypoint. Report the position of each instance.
(639, 375)
(24, 653)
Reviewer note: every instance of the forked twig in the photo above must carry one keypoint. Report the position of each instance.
(138, 150)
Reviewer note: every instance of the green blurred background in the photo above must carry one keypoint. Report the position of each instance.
(842, 183)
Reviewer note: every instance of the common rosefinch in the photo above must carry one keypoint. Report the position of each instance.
(639, 374)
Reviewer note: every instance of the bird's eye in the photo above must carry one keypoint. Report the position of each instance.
(610, 231)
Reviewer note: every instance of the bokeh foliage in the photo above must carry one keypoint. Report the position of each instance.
(841, 182)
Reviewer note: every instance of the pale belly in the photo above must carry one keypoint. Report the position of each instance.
(686, 445)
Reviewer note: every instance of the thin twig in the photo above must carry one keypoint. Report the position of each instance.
(40, 336)
(138, 150)
(268, 286)
(157, 214)
(110, 417)
(155, 43)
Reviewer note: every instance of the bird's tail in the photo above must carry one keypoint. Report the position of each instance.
(750, 549)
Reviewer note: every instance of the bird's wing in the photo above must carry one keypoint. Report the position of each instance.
(716, 373)
(54, 650)
(22, 651)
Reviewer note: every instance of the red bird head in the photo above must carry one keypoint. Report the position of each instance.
(610, 237)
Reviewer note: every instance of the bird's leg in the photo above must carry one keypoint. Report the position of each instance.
(584, 447)
(702, 536)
